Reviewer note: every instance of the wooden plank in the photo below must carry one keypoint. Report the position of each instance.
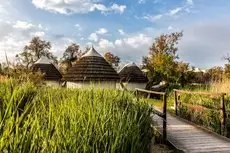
(149, 91)
(210, 149)
(190, 146)
(200, 141)
(200, 93)
(189, 138)
(198, 107)
(159, 113)
(186, 131)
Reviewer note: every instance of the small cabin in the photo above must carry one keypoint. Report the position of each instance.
(52, 75)
(132, 77)
(91, 70)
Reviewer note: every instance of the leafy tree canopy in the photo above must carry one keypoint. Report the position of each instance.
(112, 59)
(162, 57)
(34, 51)
(71, 54)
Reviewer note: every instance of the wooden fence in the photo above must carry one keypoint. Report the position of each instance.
(164, 114)
(222, 104)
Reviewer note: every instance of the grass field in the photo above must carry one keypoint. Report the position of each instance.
(38, 119)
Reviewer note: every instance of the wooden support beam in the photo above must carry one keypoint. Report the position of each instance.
(200, 93)
(176, 102)
(223, 116)
(153, 92)
(165, 119)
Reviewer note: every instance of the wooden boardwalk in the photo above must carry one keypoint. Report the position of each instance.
(190, 138)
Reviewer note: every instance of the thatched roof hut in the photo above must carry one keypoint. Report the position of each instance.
(51, 73)
(133, 77)
(132, 73)
(91, 68)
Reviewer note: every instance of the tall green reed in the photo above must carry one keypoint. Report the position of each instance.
(69, 120)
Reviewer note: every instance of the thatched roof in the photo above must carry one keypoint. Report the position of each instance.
(49, 70)
(132, 73)
(91, 67)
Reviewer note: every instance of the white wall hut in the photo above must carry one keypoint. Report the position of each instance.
(51, 73)
(132, 77)
(91, 70)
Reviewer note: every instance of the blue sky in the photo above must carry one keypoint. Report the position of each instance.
(125, 27)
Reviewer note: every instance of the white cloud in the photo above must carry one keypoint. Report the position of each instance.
(118, 42)
(40, 26)
(141, 1)
(78, 26)
(190, 2)
(76, 6)
(170, 28)
(102, 31)
(138, 40)
(130, 48)
(93, 37)
(5, 29)
(38, 34)
(3, 10)
(153, 18)
(12, 45)
(121, 32)
(6, 10)
(105, 44)
(117, 8)
(23, 25)
(186, 8)
(15, 35)
(204, 44)
(175, 11)
(157, 1)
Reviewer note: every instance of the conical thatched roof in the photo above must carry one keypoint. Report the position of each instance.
(47, 68)
(91, 67)
(132, 73)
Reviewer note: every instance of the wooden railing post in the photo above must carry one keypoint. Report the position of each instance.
(159, 113)
(148, 95)
(165, 119)
(176, 102)
(137, 94)
(223, 115)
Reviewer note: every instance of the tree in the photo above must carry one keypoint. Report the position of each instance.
(34, 51)
(227, 67)
(112, 59)
(71, 54)
(162, 57)
(182, 69)
(87, 48)
(227, 58)
(216, 73)
(1, 69)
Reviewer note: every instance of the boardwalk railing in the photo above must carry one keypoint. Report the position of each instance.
(177, 94)
(164, 114)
